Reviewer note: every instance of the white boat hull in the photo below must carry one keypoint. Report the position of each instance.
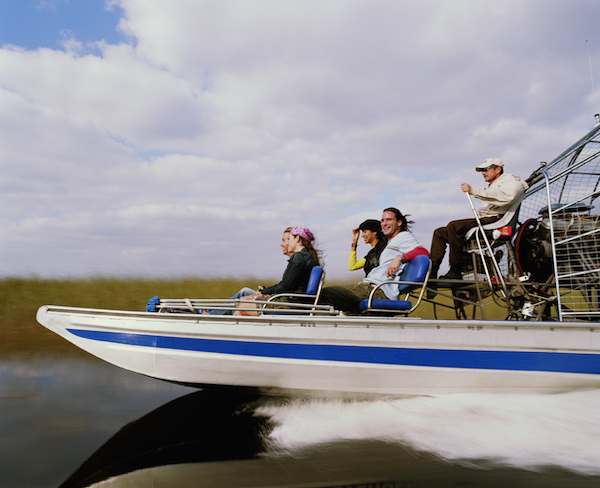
(338, 356)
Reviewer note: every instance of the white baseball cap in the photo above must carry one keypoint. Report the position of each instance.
(489, 162)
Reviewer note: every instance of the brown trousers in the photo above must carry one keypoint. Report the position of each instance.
(454, 235)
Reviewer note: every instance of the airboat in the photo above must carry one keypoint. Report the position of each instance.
(540, 265)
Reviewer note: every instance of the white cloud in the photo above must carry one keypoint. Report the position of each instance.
(188, 150)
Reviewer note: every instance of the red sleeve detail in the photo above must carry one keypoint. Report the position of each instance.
(417, 251)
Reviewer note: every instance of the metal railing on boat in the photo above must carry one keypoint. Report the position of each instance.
(204, 305)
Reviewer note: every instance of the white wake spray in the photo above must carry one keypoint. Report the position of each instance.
(521, 430)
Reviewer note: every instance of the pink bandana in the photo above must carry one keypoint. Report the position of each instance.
(303, 232)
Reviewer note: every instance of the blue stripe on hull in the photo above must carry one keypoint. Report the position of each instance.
(438, 358)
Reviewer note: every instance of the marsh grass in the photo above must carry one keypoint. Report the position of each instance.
(21, 297)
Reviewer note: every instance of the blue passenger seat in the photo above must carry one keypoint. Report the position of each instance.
(414, 277)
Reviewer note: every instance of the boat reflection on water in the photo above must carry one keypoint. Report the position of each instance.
(204, 426)
(222, 438)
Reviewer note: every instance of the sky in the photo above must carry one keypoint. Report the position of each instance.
(146, 138)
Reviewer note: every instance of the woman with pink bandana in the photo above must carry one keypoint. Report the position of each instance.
(303, 258)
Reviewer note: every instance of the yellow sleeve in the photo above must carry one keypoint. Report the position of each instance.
(354, 264)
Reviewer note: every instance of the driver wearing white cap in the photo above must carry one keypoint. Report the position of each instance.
(502, 190)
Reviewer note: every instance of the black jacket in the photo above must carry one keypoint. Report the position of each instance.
(296, 275)
(372, 257)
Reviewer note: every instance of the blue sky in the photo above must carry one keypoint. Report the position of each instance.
(180, 138)
(33, 24)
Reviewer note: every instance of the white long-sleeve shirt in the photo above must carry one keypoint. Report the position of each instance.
(401, 243)
(499, 195)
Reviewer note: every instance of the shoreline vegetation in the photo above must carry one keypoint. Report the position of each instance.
(21, 297)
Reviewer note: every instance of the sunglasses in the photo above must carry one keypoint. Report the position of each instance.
(486, 169)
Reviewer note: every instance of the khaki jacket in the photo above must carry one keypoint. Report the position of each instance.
(499, 195)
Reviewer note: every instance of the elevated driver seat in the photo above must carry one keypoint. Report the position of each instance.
(506, 225)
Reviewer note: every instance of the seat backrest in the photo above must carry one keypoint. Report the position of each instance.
(414, 271)
(508, 219)
(314, 280)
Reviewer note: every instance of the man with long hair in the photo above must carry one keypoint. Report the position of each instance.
(402, 246)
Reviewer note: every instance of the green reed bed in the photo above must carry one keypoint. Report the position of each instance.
(21, 297)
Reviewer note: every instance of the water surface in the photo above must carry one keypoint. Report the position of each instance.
(74, 420)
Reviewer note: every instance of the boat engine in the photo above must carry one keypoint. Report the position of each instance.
(533, 250)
